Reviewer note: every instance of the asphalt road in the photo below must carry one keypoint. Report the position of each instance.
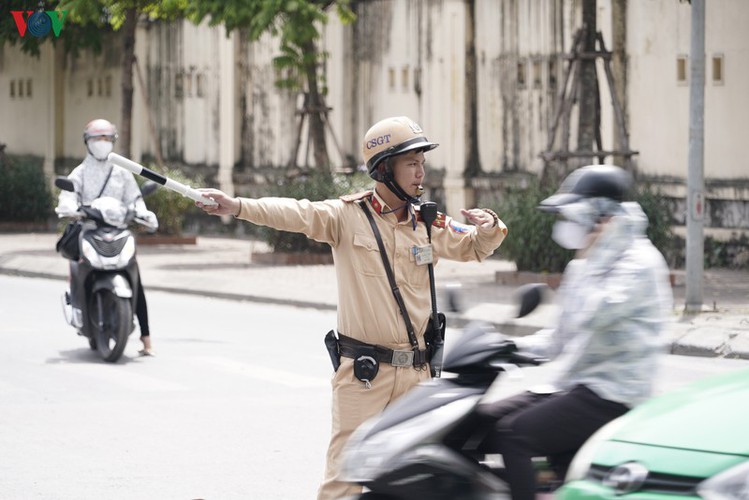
(234, 406)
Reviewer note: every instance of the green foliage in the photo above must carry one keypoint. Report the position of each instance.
(84, 23)
(111, 13)
(528, 241)
(24, 193)
(316, 186)
(730, 254)
(660, 222)
(295, 22)
(170, 207)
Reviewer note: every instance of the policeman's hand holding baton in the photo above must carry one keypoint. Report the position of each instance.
(225, 204)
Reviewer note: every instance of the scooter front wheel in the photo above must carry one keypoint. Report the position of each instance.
(111, 317)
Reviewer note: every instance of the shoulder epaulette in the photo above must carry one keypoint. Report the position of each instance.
(438, 222)
(350, 198)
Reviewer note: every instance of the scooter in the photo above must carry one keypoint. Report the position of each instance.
(103, 271)
(427, 443)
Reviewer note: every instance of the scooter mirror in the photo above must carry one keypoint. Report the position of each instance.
(65, 184)
(529, 297)
(148, 187)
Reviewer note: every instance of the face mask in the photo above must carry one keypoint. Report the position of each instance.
(100, 149)
(570, 235)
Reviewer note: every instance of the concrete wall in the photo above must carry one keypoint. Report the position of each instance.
(660, 104)
(519, 48)
(215, 105)
(25, 101)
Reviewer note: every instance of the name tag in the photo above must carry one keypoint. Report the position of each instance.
(423, 255)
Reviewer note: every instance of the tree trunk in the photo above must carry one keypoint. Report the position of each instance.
(473, 162)
(247, 144)
(128, 57)
(316, 110)
(619, 68)
(588, 89)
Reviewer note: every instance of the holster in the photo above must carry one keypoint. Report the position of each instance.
(435, 343)
(331, 344)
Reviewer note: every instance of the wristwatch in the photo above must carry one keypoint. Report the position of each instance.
(493, 214)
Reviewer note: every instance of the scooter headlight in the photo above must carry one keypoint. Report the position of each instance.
(368, 457)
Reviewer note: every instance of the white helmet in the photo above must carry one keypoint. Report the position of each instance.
(391, 137)
(98, 128)
(388, 138)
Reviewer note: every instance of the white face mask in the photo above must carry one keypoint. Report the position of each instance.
(570, 235)
(100, 149)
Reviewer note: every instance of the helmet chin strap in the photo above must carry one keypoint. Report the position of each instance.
(397, 190)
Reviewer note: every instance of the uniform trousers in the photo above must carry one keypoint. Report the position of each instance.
(550, 425)
(352, 404)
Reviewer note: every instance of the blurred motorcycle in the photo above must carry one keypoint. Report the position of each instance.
(426, 444)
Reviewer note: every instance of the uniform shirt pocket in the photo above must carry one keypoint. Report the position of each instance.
(414, 274)
(366, 256)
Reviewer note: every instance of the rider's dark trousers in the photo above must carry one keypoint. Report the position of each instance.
(141, 311)
(550, 425)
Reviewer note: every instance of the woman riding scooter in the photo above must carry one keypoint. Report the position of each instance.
(96, 177)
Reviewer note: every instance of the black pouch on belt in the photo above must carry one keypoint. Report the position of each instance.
(366, 365)
(331, 344)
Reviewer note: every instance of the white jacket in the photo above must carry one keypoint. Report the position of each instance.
(615, 305)
(89, 178)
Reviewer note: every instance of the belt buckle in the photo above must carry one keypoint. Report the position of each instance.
(402, 358)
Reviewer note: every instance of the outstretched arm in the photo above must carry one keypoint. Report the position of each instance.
(225, 204)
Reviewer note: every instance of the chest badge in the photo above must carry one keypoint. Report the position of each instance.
(423, 255)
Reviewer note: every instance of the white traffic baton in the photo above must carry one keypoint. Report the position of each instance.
(168, 183)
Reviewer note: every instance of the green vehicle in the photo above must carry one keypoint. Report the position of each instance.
(690, 443)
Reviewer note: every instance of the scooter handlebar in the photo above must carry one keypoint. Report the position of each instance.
(62, 214)
(527, 358)
(147, 219)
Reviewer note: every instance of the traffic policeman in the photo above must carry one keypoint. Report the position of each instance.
(368, 313)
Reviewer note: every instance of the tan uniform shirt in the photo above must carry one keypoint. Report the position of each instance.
(367, 309)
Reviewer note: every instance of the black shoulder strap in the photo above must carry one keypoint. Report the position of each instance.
(104, 186)
(391, 277)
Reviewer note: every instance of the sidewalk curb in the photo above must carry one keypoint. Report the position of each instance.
(183, 291)
(226, 268)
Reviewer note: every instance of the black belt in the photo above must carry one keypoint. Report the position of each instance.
(352, 348)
